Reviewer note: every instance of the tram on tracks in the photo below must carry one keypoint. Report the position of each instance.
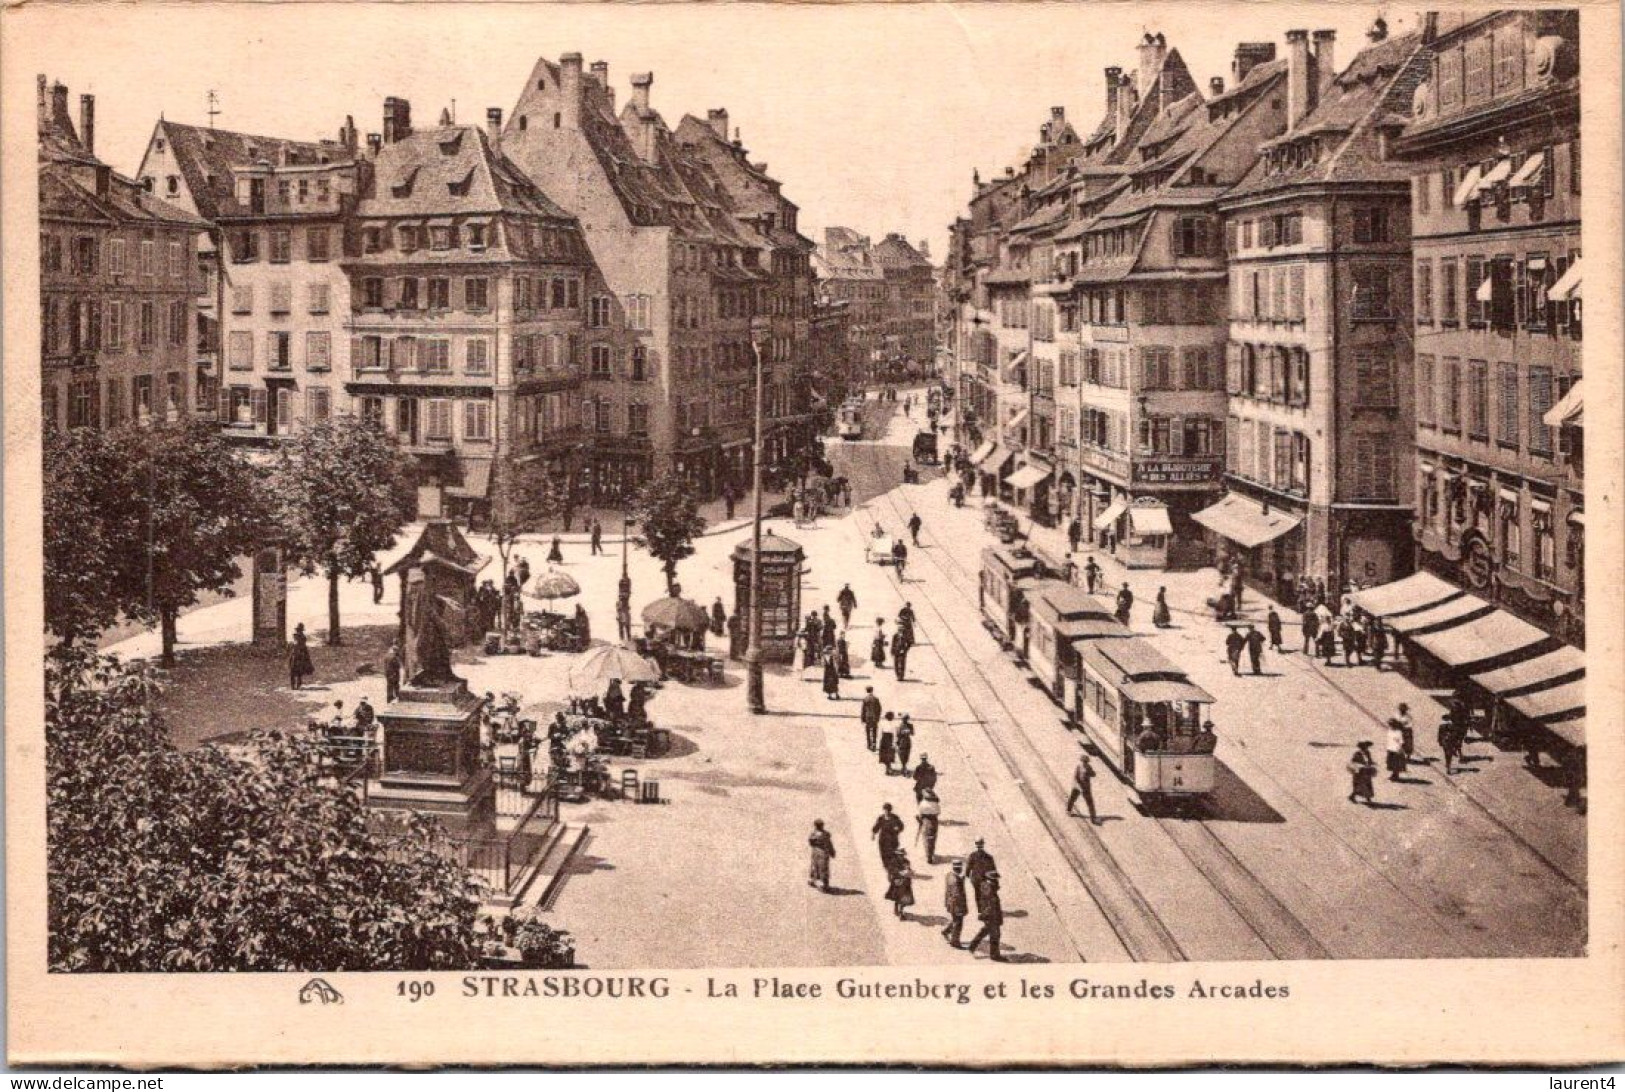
(849, 420)
(1146, 718)
(1008, 576)
(1060, 619)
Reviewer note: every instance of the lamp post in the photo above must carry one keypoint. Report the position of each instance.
(754, 697)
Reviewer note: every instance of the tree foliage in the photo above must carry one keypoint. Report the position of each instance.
(209, 860)
(139, 521)
(342, 492)
(669, 521)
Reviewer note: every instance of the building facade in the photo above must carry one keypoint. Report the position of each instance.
(118, 277)
(1493, 149)
(849, 275)
(1318, 366)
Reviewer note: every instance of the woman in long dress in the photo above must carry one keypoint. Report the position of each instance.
(888, 746)
(1160, 616)
(1396, 750)
(900, 888)
(832, 677)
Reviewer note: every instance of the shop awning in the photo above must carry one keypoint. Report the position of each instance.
(1485, 293)
(1109, 516)
(1530, 173)
(1527, 674)
(1578, 516)
(1467, 187)
(1017, 421)
(1245, 522)
(1567, 286)
(1553, 703)
(994, 463)
(476, 482)
(1025, 477)
(1150, 521)
(1572, 731)
(1494, 635)
(1569, 409)
(980, 454)
(1495, 175)
(1418, 591)
(1452, 612)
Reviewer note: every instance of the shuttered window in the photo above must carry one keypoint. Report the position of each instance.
(1506, 418)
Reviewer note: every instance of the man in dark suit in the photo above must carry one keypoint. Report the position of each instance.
(953, 901)
(977, 866)
(991, 911)
(886, 832)
(869, 712)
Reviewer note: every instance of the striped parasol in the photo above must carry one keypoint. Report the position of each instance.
(553, 585)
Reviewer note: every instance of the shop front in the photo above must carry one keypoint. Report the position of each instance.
(1149, 532)
(1267, 542)
(1029, 486)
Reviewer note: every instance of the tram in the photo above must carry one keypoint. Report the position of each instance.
(1146, 718)
(1008, 575)
(849, 420)
(1061, 619)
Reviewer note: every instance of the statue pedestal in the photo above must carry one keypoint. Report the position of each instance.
(431, 756)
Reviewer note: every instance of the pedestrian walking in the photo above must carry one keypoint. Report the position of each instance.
(1345, 637)
(823, 852)
(1377, 643)
(978, 865)
(843, 657)
(1273, 622)
(1396, 749)
(953, 901)
(1091, 574)
(1451, 738)
(1234, 642)
(377, 584)
(899, 556)
(1074, 533)
(719, 617)
(925, 777)
(1407, 731)
(1311, 630)
(1082, 788)
(1160, 616)
(392, 672)
(597, 533)
(900, 884)
(905, 743)
(1236, 585)
(990, 910)
(899, 655)
(809, 643)
(1363, 771)
(905, 623)
(623, 618)
(1255, 650)
(914, 525)
(1125, 603)
(869, 713)
(877, 647)
(1327, 645)
(832, 677)
(847, 601)
(299, 666)
(929, 818)
(826, 636)
(523, 569)
(886, 831)
(888, 744)
(555, 554)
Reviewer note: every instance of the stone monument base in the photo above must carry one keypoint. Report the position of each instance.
(431, 756)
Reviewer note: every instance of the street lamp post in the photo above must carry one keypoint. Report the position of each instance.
(754, 697)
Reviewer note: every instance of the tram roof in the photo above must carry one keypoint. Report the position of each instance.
(1141, 672)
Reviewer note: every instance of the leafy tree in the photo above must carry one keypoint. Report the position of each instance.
(342, 492)
(162, 513)
(208, 860)
(669, 521)
(523, 498)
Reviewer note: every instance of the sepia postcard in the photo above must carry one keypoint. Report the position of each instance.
(936, 534)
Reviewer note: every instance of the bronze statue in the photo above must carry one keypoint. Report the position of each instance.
(427, 635)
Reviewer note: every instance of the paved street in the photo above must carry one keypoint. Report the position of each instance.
(1485, 862)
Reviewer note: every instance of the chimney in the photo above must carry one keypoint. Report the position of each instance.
(87, 122)
(1153, 47)
(397, 119)
(1378, 31)
(600, 73)
(1216, 86)
(44, 111)
(1248, 56)
(1299, 85)
(1325, 60)
(718, 120)
(570, 91)
(1127, 100)
(104, 179)
(375, 143)
(641, 82)
(348, 135)
(493, 123)
(1113, 77)
(59, 106)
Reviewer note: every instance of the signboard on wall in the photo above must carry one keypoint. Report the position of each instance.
(1174, 471)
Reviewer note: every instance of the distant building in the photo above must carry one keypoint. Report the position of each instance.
(890, 288)
(911, 318)
(1318, 366)
(1493, 149)
(118, 275)
(848, 273)
(275, 301)
(831, 356)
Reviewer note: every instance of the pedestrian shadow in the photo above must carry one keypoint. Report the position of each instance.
(1378, 806)
(844, 892)
(1025, 957)
(1234, 801)
(1410, 781)
(952, 823)
(936, 921)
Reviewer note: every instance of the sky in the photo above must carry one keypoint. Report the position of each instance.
(872, 115)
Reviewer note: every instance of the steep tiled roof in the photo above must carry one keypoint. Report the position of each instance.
(204, 153)
(69, 188)
(448, 171)
(895, 252)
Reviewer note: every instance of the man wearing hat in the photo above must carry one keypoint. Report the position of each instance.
(886, 831)
(1363, 770)
(869, 713)
(977, 865)
(953, 901)
(1081, 787)
(823, 851)
(991, 911)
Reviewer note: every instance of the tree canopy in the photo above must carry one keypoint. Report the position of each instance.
(216, 859)
(342, 492)
(669, 521)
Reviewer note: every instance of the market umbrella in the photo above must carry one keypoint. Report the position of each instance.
(676, 614)
(593, 670)
(553, 585)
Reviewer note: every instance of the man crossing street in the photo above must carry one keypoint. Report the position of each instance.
(1082, 788)
(869, 713)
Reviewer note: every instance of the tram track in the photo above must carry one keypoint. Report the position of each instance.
(1280, 931)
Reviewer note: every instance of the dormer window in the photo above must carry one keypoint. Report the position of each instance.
(403, 188)
(440, 237)
(408, 239)
(476, 236)
(451, 146)
(461, 187)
